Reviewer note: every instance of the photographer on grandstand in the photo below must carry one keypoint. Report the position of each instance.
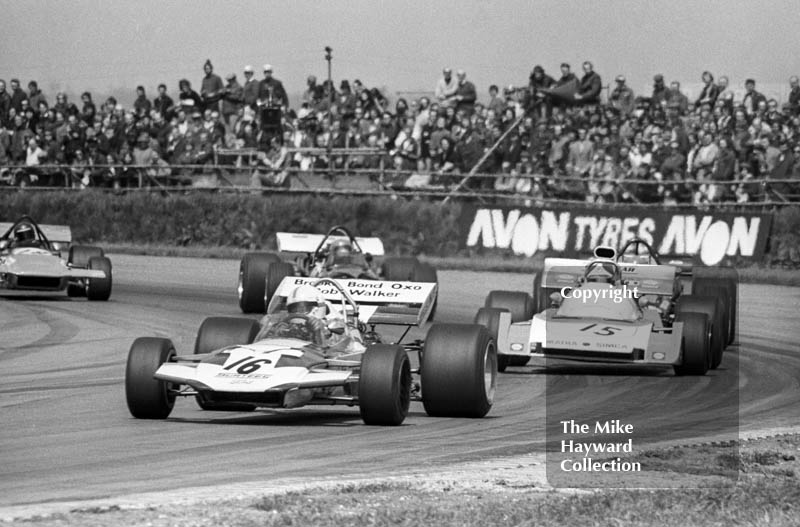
(589, 87)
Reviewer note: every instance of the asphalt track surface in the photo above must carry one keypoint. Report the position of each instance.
(66, 434)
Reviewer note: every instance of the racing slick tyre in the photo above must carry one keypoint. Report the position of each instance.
(489, 317)
(540, 299)
(520, 305)
(276, 272)
(99, 288)
(712, 307)
(696, 344)
(458, 371)
(727, 282)
(79, 255)
(252, 277)
(424, 272)
(148, 398)
(399, 268)
(217, 333)
(384, 385)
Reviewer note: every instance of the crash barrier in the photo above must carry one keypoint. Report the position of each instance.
(414, 226)
(242, 171)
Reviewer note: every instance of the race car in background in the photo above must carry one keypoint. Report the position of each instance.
(30, 260)
(290, 361)
(609, 310)
(337, 254)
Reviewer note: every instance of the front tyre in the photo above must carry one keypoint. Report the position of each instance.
(459, 371)
(384, 385)
(148, 397)
(99, 288)
(252, 275)
(696, 344)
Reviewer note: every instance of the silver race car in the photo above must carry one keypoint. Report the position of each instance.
(30, 260)
(605, 310)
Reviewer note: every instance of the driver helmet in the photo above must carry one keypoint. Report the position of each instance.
(602, 273)
(341, 249)
(306, 300)
(24, 233)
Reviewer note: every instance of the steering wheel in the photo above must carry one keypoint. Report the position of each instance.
(318, 253)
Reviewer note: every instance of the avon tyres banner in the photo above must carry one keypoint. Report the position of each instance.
(572, 231)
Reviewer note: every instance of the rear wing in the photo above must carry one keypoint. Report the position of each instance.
(57, 234)
(648, 279)
(379, 302)
(290, 242)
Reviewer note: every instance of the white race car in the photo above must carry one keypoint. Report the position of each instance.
(288, 360)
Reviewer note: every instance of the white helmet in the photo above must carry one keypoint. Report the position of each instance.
(304, 299)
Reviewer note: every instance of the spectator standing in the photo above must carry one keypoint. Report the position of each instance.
(163, 103)
(590, 86)
(709, 93)
(17, 96)
(566, 75)
(89, 110)
(752, 98)
(622, 97)
(250, 88)
(794, 95)
(660, 95)
(346, 103)
(211, 87)
(496, 103)
(465, 95)
(677, 99)
(35, 95)
(189, 97)
(64, 106)
(581, 153)
(537, 100)
(271, 91)
(446, 87)
(232, 102)
(5, 103)
(312, 93)
(142, 105)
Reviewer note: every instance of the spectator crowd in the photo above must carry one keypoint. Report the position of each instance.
(557, 137)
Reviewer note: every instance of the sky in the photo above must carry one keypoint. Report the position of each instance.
(107, 46)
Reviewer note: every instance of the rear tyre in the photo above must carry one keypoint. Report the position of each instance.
(252, 276)
(99, 288)
(147, 397)
(696, 344)
(384, 386)
(489, 317)
(276, 272)
(520, 305)
(712, 307)
(220, 332)
(728, 284)
(79, 255)
(459, 371)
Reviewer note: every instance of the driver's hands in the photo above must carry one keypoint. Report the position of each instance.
(336, 326)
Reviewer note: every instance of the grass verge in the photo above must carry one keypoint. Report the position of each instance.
(766, 494)
(756, 274)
